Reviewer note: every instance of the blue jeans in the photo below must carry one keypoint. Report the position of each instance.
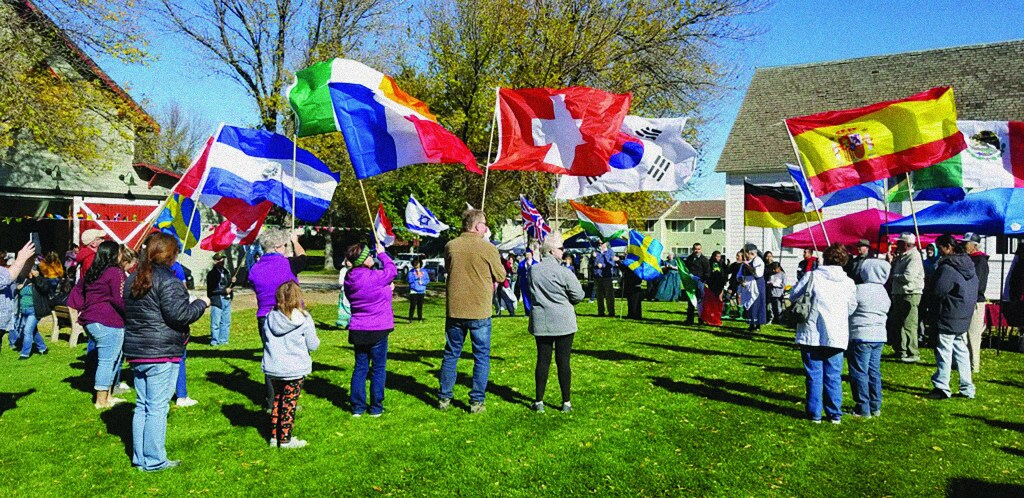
(823, 368)
(952, 348)
(866, 377)
(154, 384)
(370, 359)
(455, 336)
(181, 391)
(108, 349)
(30, 335)
(220, 323)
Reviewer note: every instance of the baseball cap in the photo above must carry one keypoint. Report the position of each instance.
(908, 238)
(89, 236)
(972, 237)
(218, 257)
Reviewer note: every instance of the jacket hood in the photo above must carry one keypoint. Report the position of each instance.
(874, 271)
(979, 254)
(961, 263)
(279, 324)
(831, 272)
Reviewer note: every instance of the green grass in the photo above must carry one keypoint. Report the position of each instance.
(660, 409)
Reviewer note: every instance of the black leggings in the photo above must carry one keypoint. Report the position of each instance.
(562, 346)
(416, 304)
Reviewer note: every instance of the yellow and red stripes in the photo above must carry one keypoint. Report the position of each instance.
(841, 149)
(773, 206)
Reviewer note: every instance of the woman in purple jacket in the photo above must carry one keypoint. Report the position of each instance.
(102, 315)
(369, 294)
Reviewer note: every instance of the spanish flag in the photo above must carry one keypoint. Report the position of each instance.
(773, 206)
(841, 149)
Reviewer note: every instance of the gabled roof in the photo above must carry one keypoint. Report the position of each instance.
(986, 81)
(688, 210)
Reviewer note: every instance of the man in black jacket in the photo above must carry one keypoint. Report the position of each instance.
(219, 288)
(699, 267)
(954, 292)
(980, 259)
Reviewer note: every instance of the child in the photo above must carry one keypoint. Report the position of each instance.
(33, 303)
(418, 280)
(290, 336)
(867, 336)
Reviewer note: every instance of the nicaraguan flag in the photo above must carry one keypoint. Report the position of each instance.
(643, 255)
(256, 166)
(180, 218)
(870, 190)
(420, 221)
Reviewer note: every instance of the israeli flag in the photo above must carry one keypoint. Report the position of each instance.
(420, 221)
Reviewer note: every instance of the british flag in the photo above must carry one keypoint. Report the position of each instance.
(533, 222)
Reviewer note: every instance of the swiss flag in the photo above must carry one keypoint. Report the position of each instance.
(572, 131)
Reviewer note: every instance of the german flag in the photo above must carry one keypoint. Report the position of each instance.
(773, 206)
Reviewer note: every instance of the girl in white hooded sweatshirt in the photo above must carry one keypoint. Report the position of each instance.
(289, 337)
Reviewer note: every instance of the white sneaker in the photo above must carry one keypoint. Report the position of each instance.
(273, 442)
(294, 443)
(114, 401)
(183, 402)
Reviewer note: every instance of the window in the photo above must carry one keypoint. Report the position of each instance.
(681, 252)
(680, 225)
(651, 225)
(719, 224)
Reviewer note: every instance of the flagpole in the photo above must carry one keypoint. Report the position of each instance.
(800, 162)
(295, 152)
(490, 143)
(368, 213)
(810, 230)
(885, 203)
(913, 212)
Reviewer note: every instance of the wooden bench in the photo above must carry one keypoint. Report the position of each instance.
(62, 315)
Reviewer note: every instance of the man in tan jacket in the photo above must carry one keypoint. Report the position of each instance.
(473, 270)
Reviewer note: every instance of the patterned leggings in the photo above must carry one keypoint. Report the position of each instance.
(286, 396)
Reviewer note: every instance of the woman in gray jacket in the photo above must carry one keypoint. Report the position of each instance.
(553, 290)
(867, 336)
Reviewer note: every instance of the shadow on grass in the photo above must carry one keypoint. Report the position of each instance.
(254, 354)
(684, 349)
(1000, 424)
(506, 393)
(119, 423)
(1007, 383)
(962, 487)
(324, 389)
(722, 391)
(914, 391)
(421, 355)
(328, 326)
(9, 401)
(797, 371)
(749, 389)
(1013, 451)
(408, 384)
(742, 333)
(240, 416)
(613, 355)
(238, 380)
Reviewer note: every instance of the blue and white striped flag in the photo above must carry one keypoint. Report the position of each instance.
(420, 221)
(870, 190)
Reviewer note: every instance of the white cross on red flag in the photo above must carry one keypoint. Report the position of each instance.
(568, 132)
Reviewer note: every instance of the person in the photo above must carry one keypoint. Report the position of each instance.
(753, 288)
(863, 251)
(474, 268)
(929, 262)
(931, 259)
(70, 256)
(51, 268)
(567, 262)
(344, 307)
(711, 311)
(592, 276)
(523, 280)
(220, 290)
(182, 399)
(907, 287)
(633, 291)
(370, 293)
(102, 315)
(291, 336)
(867, 337)
(954, 295)
(826, 333)
(418, 280)
(980, 260)
(504, 297)
(267, 275)
(776, 286)
(33, 304)
(157, 315)
(8, 292)
(697, 265)
(553, 321)
(733, 298)
(91, 239)
(668, 287)
(604, 276)
(809, 263)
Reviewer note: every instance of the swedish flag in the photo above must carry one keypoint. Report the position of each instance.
(643, 255)
(180, 218)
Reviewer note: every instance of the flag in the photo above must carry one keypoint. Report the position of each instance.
(688, 287)
(572, 131)
(227, 233)
(937, 183)
(841, 149)
(382, 227)
(650, 155)
(420, 221)
(775, 205)
(180, 218)
(601, 223)
(256, 166)
(811, 202)
(384, 128)
(995, 154)
(643, 256)
(533, 223)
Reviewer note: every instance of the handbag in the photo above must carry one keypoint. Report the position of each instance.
(799, 311)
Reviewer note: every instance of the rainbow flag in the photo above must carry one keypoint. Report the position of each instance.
(601, 223)
(841, 149)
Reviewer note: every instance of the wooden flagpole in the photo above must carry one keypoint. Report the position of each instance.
(490, 143)
(913, 212)
(369, 214)
(800, 162)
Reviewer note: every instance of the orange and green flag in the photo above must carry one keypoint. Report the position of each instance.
(841, 149)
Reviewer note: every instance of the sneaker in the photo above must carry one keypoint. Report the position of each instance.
(938, 394)
(22, 358)
(962, 395)
(910, 359)
(273, 442)
(444, 404)
(815, 420)
(357, 415)
(294, 443)
(184, 402)
(122, 388)
(376, 415)
(836, 421)
(860, 417)
(45, 351)
(566, 407)
(476, 407)
(538, 407)
(876, 414)
(170, 465)
(114, 401)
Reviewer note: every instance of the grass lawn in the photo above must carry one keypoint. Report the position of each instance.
(660, 409)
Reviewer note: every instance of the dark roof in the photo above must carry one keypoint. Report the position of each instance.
(155, 175)
(688, 210)
(986, 81)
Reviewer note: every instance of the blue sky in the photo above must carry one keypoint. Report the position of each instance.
(795, 32)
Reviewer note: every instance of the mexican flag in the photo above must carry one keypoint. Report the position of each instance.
(601, 223)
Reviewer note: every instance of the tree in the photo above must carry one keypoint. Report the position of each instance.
(180, 139)
(257, 42)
